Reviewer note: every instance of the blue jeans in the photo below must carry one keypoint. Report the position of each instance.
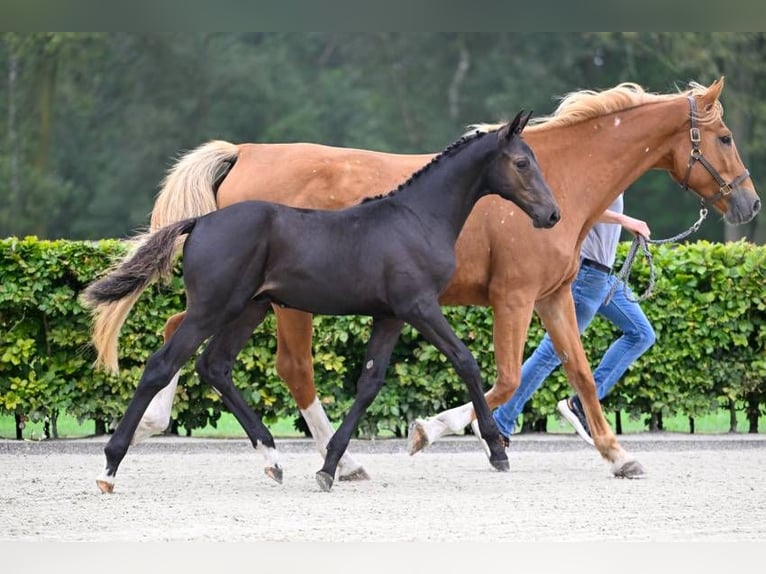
(589, 289)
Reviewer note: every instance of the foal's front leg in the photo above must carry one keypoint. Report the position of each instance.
(214, 367)
(429, 320)
(385, 333)
(296, 369)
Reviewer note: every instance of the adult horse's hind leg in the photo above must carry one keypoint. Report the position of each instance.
(156, 418)
(296, 369)
(214, 367)
(157, 373)
(385, 333)
(429, 320)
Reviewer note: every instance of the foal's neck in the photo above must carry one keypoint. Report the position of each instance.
(444, 194)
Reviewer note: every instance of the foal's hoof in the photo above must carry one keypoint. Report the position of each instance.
(358, 474)
(274, 472)
(631, 469)
(418, 438)
(500, 464)
(104, 486)
(324, 481)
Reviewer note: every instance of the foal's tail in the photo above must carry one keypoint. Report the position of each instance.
(188, 189)
(111, 297)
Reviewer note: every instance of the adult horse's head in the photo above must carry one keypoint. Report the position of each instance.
(516, 176)
(712, 167)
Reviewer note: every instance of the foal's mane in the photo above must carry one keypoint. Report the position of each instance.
(582, 105)
(451, 149)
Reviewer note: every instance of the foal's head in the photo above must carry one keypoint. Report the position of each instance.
(712, 167)
(516, 176)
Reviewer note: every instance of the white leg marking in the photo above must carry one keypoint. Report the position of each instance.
(157, 415)
(270, 455)
(322, 431)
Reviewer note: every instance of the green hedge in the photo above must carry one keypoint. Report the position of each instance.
(707, 308)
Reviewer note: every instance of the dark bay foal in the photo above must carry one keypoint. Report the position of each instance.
(389, 258)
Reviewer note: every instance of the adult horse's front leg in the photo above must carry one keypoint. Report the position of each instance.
(511, 322)
(557, 313)
(296, 369)
(430, 322)
(214, 367)
(385, 333)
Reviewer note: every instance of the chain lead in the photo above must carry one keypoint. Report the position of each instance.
(641, 242)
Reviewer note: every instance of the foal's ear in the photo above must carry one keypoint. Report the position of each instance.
(513, 127)
(523, 122)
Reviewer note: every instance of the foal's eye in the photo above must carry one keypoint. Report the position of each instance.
(725, 139)
(522, 164)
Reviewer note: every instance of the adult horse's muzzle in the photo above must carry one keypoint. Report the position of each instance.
(744, 205)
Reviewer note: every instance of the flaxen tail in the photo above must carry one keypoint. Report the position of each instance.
(189, 187)
(111, 297)
(187, 191)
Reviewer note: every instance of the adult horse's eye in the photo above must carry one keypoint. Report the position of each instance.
(522, 164)
(725, 139)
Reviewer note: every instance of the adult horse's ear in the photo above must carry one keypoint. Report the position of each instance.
(523, 122)
(513, 127)
(711, 95)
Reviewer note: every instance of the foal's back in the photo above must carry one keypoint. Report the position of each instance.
(359, 260)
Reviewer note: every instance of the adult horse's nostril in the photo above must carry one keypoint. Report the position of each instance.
(756, 206)
(555, 217)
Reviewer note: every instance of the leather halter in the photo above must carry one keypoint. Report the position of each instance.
(724, 188)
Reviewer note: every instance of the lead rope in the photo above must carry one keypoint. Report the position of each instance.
(641, 242)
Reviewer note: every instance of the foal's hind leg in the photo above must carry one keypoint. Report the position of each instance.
(385, 333)
(214, 367)
(157, 373)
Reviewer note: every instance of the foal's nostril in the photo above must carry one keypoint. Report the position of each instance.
(555, 216)
(756, 206)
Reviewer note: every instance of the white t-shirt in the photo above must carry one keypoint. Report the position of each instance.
(601, 243)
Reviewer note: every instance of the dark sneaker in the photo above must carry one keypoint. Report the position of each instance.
(575, 416)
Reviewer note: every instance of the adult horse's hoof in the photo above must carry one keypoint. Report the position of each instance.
(104, 486)
(274, 472)
(418, 437)
(324, 481)
(500, 464)
(358, 474)
(631, 469)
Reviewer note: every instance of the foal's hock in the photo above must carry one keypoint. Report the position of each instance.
(389, 257)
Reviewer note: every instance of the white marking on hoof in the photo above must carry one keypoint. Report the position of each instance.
(270, 455)
(105, 482)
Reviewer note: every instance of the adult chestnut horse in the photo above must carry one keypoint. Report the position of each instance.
(595, 145)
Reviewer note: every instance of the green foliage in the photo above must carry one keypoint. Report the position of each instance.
(707, 308)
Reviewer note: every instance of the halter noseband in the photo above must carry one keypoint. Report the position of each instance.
(724, 188)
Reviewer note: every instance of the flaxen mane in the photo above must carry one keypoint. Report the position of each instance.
(586, 104)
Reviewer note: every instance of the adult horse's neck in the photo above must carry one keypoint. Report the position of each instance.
(443, 194)
(588, 164)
